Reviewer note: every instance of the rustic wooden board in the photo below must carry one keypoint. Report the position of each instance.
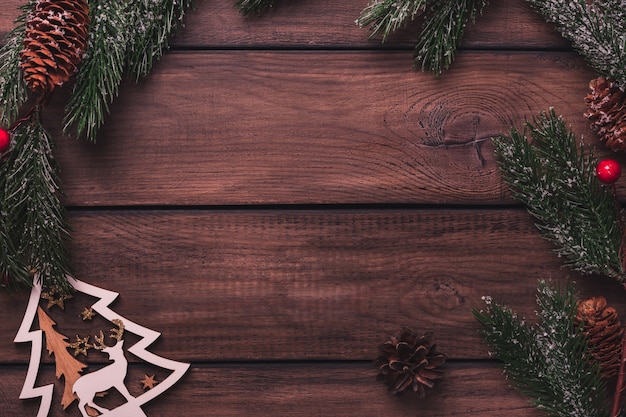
(337, 389)
(330, 24)
(248, 127)
(290, 285)
(282, 194)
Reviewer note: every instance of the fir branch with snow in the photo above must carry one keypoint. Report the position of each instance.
(101, 71)
(442, 26)
(597, 30)
(555, 178)
(385, 17)
(247, 7)
(150, 26)
(13, 91)
(547, 361)
(113, 52)
(33, 218)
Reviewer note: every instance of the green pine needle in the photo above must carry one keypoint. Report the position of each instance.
(385, 17)
(547, 361)
(101, 70)
(124, 38)
(442, 26)
(13, 273)
(13, 91)
(247, 7)
(150, 25)
(33, 218)
(443, 32)
(555, 179)
(597, 30)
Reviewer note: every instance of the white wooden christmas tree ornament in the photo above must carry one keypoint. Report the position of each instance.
(82, 388)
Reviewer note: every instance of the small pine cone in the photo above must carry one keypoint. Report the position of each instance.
(607, 112)
(56, 38)
(604, 333)
(410, 361)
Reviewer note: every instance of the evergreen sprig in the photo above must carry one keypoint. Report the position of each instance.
(101, 70)
(597, 30)
(34, 222)
(555, 178)
(151, 23)
(247, 7)
(13, 91)
(547, 361)
(443, 25)
(443, 32)
(385, 17)
(125, 38)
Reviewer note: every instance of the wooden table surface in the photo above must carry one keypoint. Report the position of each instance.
(282, 194)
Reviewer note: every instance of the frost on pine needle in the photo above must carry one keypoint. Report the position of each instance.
(125, 38)
(555, 178)
(547, 360)
(34, 223)
(13, 90)
(442, 24)
(597, 30)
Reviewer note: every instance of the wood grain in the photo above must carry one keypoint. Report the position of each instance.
(295, 285)
(331, 24)
(315, 24)
(248, 127)
(283, 194)
(337, 389)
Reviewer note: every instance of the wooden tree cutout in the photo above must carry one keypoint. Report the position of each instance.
(66, 365)
(57, 344)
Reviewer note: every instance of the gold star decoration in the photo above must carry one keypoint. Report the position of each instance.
(55, 298)
(148, 381)
(81, 346)
(88, 313)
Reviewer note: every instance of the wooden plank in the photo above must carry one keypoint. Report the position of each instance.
(8, 13)
(326, 23)
(287, 127)
(330, 24)
(335, 389)
(289, 285)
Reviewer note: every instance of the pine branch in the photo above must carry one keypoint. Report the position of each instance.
(247, 7)
(33, 217)
(442, 26)
(13, 91)
(151, 23)
(385, 17)
(556, 180)
(146, 29)
(101, 70)
(13, 274)
(547, 361)
(597, 30)
(443, 32)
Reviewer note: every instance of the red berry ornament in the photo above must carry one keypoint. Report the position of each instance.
(608, 171)
(5, 140)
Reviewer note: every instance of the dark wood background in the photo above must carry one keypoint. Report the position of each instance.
(282, 194)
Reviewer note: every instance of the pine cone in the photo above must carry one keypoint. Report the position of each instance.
(56, 38)
(410, 361)
(604, 333)
(607, 112)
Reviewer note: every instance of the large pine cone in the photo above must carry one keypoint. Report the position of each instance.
(607, 112)
(56, 38)
(410, 361)
(604, 333)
